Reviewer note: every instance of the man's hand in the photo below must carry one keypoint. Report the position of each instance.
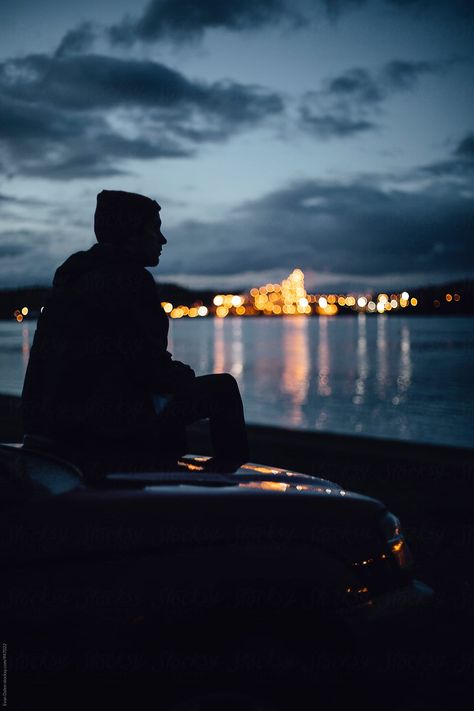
(183, 369)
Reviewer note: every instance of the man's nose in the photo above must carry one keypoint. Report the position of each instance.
(163, 239)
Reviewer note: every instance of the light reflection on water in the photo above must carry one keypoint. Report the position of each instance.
(25, 345)
(362, 362)
(237, 363)
(402, 378)
(295, 377)
(382, 361)
(219, 347)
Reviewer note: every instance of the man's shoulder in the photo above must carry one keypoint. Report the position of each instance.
(121, 275)
(104, 274)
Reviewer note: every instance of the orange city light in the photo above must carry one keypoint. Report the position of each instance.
(329, 310)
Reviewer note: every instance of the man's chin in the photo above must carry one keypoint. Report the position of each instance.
(153, 262)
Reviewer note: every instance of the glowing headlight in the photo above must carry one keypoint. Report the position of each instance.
(395, 540)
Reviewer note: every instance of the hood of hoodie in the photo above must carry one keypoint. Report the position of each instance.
(99, 255)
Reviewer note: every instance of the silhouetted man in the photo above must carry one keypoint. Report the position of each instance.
(99, 368)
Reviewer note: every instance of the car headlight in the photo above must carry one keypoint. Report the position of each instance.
(393, 536)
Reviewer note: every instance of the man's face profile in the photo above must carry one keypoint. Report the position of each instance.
(149, 242)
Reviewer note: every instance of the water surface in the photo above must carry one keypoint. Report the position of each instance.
(393, 377)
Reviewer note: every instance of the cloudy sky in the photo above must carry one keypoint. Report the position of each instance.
(332, 135)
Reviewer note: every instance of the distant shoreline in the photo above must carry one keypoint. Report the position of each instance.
(439, 299)
(351, 314)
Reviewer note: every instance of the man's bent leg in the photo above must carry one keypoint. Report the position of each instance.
(216, 397)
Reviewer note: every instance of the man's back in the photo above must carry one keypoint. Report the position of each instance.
(100, 350)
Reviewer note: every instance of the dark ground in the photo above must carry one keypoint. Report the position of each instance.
(431, 490)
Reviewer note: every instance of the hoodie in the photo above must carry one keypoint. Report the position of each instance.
(100, 351)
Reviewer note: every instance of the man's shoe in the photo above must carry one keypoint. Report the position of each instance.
(217, 465)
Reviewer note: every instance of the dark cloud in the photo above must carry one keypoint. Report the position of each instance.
(335, 7)
(13, 207)
(333, 126)
(462, 8)
(356, 84)
(10, 199)
(460, 165)
(26, 257)
(56, 118)
(357, 229)
(420, 8)
(349, 103)
(403, 75)
(102, 82)
(77, 40)
(465, 149)
(182, 19)
(60, 145)
(10, 249)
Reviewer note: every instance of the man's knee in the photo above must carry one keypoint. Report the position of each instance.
(216, 390)
(226, 382)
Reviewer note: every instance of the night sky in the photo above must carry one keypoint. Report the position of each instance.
(337, 137)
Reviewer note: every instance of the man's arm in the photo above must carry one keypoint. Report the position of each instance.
(153, 364)
(170, 375)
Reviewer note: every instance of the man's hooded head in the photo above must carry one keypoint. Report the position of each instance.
(121, 216)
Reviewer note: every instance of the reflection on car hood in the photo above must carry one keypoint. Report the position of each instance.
(249, 475)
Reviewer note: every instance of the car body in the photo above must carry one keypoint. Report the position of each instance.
(169, 551)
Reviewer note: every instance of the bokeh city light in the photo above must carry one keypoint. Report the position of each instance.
(290, 298)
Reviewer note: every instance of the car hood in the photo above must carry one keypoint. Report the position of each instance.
(130, 512)
(190, 471)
